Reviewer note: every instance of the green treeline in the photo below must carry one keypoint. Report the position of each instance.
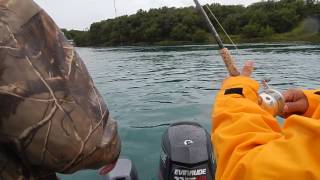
(284, 20)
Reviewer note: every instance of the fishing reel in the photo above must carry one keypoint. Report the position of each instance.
(271, 100)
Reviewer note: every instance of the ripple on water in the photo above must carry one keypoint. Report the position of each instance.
(156, 85)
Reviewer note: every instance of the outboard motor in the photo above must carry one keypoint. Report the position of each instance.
(186, 153)
(124, 170)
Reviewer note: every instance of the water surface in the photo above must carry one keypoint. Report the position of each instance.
(146, 86)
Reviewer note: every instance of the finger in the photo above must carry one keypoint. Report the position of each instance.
(247, 69)
(294, 107)
(285, 115)
(293, 95)
(289, 95)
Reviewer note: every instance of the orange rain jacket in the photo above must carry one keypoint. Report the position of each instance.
(250, 144)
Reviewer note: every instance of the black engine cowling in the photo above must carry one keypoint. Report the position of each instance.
(187, 153)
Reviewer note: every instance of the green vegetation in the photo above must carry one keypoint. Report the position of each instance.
(266, 21)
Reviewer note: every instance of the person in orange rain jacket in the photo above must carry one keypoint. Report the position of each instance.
(249, 142)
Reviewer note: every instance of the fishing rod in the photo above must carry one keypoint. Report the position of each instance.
(270, 99)
(226, 56)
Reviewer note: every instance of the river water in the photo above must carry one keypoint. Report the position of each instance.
(146, 86)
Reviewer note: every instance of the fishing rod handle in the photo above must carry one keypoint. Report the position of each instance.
(229, 62)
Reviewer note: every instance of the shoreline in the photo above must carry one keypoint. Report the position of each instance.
(210, 43)
(292, 37)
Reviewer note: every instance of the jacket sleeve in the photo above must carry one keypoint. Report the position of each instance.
(250, 144)
(313, 97)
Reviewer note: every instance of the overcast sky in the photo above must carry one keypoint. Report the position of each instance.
(80, 14)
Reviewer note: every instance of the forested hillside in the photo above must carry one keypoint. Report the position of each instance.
(284, 20)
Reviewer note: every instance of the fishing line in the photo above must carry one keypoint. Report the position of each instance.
(151, 126)
(116, 15)
(225, 32)
(115, 8)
